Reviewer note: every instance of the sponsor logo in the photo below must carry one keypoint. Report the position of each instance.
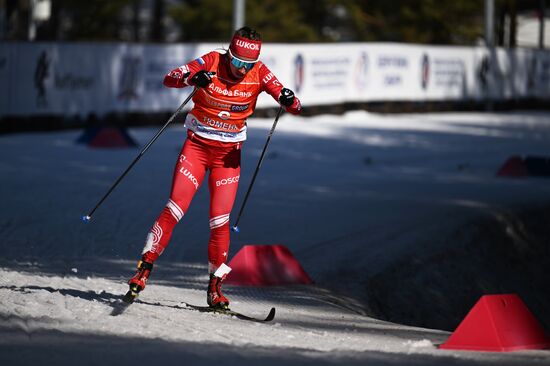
(157, 233)
(41, 72)
(298, 72)
(183, 159)
(483, 70)
(425, 71)
(179, 72)
(129, 78)
(218, 124)
(392, 61)
(268, 77)
(224, 115)
(176, 74)
(242, 94)
(44, 79)
(230, 93)
(226, 181)
(153, 240)
(361, 71)
(250, 46)
(190, 176)
(217, 104)
(73, 82)
(239, 108)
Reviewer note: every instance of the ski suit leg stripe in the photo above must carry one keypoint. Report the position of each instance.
(175, 210)
(218, 221)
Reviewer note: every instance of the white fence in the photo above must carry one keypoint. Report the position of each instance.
(82, 78)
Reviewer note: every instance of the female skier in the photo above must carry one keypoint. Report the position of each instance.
(228, 86)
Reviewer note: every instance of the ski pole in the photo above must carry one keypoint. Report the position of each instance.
(235, 227)
(141, 153)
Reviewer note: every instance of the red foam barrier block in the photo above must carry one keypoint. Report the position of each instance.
(111, 137)
(513, 167)
(266, 265)
(498, 323)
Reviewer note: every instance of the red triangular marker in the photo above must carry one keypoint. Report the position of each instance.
(266, 265)
(106, 137)
(498, 323)
(513, 167)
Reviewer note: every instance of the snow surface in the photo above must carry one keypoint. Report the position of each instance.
(350, 195)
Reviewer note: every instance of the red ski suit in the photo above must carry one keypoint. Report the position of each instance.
(216, 129)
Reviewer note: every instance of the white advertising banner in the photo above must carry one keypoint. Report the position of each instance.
(71, 79)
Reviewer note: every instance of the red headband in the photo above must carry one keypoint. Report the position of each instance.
(244, 47)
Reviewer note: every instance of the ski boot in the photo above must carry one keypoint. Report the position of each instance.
(214, 296)
(137, 283)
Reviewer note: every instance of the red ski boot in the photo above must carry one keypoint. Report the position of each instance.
(138, 282)
(214, 295)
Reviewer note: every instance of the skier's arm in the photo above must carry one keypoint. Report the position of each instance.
(193, 73)
(282, 95)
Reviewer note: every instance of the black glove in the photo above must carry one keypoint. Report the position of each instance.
(202, 78)
(287, 97)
